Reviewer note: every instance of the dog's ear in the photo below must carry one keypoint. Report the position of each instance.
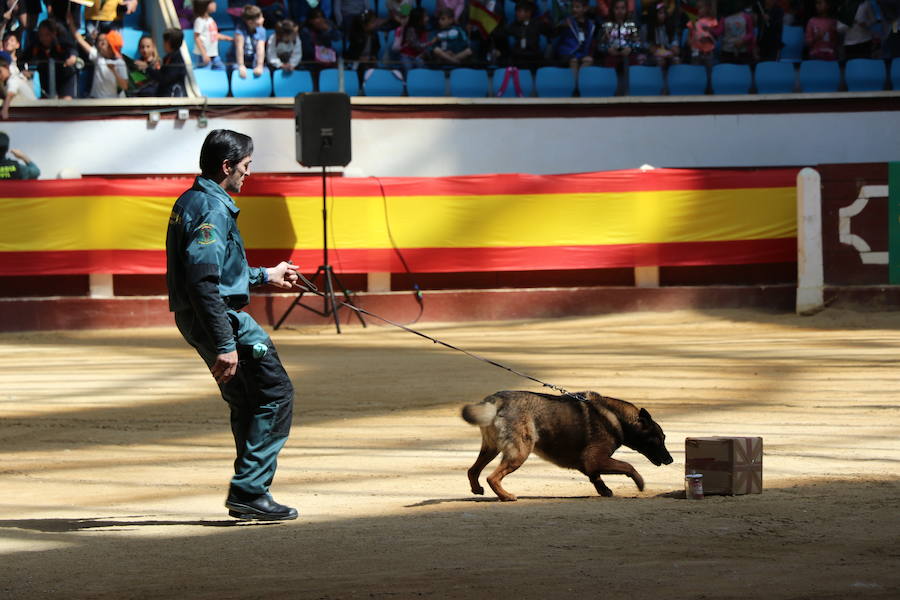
(643, 415)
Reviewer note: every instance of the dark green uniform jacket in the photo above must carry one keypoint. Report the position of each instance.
(207, 270)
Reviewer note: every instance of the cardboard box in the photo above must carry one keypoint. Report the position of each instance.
(729, 465)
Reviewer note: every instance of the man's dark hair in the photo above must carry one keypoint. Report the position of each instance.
(4, 144)
(221, 145)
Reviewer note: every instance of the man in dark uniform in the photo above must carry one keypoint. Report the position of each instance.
(209, 282)
(13, 169)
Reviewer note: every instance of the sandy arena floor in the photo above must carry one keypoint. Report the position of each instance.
(117, 455)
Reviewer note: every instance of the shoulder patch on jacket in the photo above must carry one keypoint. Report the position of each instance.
(207, 233)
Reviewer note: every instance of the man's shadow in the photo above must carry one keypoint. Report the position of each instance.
(69, 525)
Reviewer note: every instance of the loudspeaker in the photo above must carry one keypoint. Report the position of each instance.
(322, 121)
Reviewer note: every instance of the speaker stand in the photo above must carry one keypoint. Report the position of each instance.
(330, 305)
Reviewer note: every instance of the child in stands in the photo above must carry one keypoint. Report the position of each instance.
(148, 58)
(110, 75)
(207, 36)
(576, 38)
(172, 71)
(822, 36)
(250, 41)
(451, 44)
(620, 41)
(661, 36)
(738, 36)
(284, 50)
(703, 34)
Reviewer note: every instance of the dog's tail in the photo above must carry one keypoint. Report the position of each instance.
(480, 414)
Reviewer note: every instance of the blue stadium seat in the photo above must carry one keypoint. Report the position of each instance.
(329, 81)
(426, 82)
(594, 82)
(430, 7)
(895, 74)
(731, 79)
(526, 81)
(775, 77)
(37, 84)
(290, 84)
(468, 83)
(212, 84)
(819, 76)
(554, 82)
(687, 80)
(251, 86)
(131, 37)
(865, 75)
(189, 40)
(382, 82)
(645, 81)
(792, 38)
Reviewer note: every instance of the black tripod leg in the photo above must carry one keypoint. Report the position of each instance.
(349, 300)
(329, 300)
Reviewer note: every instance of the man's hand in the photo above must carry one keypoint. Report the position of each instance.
(283, 276)
(20, 155)
(225, 367)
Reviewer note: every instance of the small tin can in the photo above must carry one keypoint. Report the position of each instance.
(693, 486)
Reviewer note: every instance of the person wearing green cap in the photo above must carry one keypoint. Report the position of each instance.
(209, 283)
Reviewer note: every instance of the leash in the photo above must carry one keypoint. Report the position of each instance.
(310, 287)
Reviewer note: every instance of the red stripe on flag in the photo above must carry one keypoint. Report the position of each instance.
(426, 260)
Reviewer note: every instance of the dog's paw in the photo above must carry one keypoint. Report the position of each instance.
(605, 492)
(508, 498)
(478, 490)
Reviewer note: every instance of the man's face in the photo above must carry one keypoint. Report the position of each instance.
(235, 175)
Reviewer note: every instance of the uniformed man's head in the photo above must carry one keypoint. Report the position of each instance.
(225, 158)
(4, 144)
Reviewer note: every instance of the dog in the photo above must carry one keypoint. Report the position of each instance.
(570, 433)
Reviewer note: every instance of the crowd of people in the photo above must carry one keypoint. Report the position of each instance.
(85, 46)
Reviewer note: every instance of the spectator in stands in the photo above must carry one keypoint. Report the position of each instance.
(64, 12)
(110, 78)
(363, 45)
(140, 83)
(250, 41)
(890, 10)
(577, 41)
(661, 37)
(620, 40)
(207, 36)
(414, 45)
(184, 12)
(398, 23)
(397, 12)
(11, 169)
(284, 50)
(770, 23)
(822, 33)
(52, 42)
(860, 40)
(519, 42)
(703, 34)
(19, 84)
(346, 10)
(172, 70)
(321, 40)
(738, 36)
(451, 44)
(105, 15)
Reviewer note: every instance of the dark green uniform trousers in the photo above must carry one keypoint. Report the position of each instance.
(261, 398)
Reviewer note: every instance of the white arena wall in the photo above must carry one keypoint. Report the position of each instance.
(412, 137)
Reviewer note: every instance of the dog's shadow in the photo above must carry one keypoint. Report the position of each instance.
(489, 500)
(676, 494)
(129, 522)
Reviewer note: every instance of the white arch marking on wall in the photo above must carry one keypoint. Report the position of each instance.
(845, 216)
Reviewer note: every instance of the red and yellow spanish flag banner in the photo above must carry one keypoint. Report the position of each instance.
(660, 217)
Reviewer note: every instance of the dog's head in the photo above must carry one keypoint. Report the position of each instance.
(648, 438)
